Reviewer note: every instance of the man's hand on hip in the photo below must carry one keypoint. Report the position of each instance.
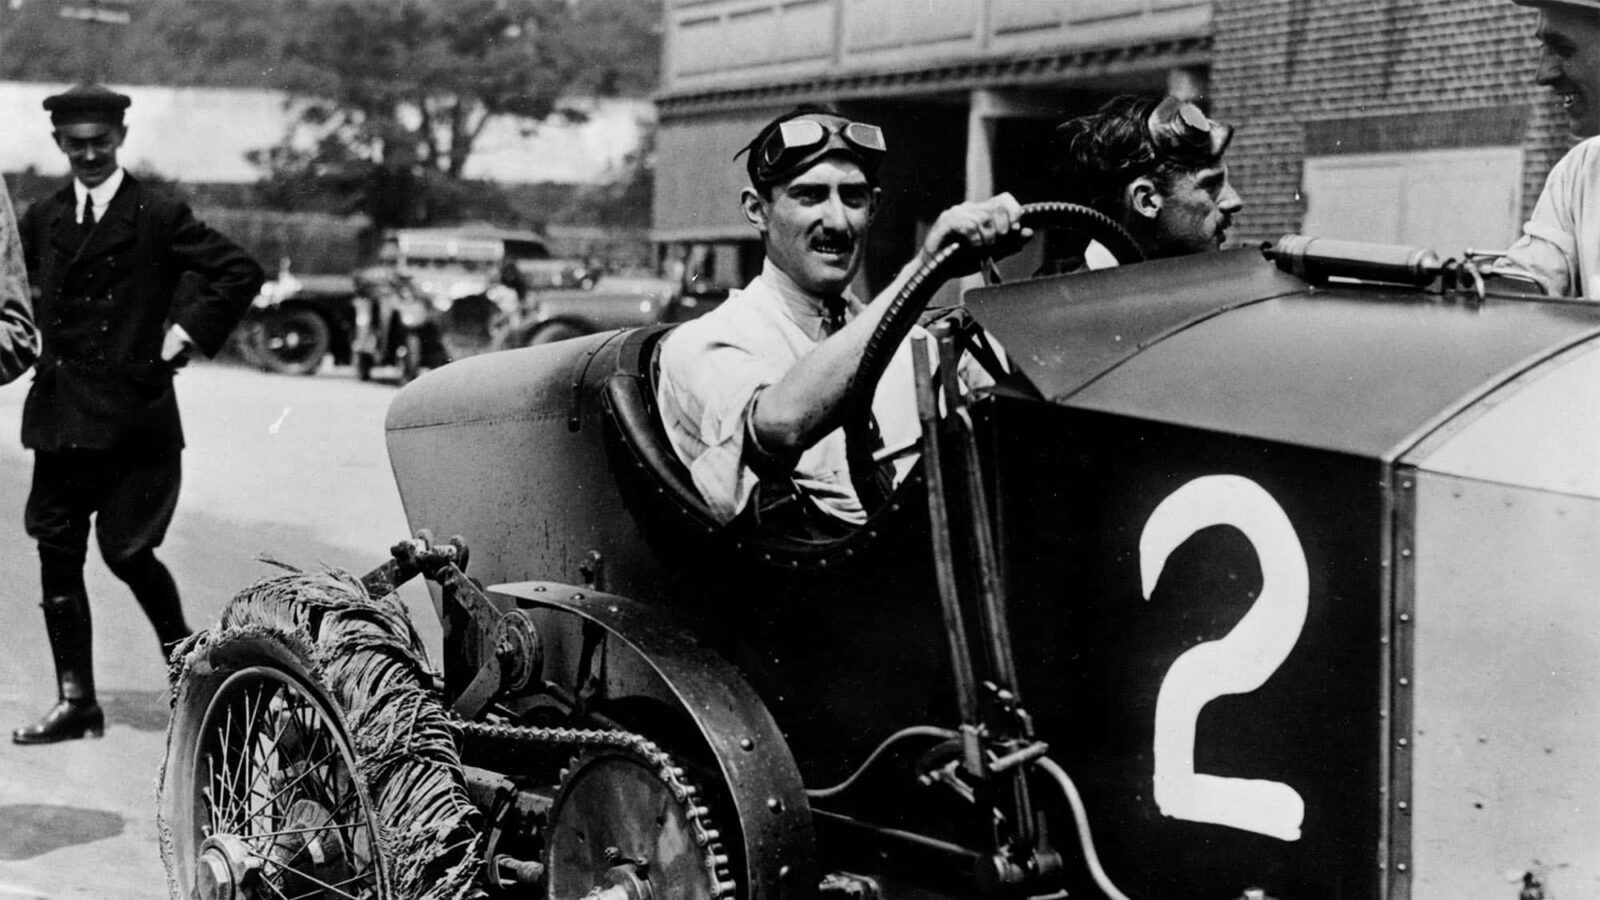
(177, 347)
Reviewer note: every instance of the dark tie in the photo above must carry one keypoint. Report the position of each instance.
(87, 225)
(834, 312)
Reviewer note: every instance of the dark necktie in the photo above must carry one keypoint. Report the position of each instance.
(87, 225)
(834, 314)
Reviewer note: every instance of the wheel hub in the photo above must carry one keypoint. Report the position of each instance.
(625, 825)
(224, 868)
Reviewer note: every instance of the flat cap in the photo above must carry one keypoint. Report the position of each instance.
(87, 103)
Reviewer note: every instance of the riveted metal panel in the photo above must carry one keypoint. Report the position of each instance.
(1398, 686)
(485, 447)
(1354, 370)
(1539, 430)
(1507, 675)
(1109, 620)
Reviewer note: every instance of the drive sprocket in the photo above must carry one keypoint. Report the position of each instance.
(626, 815)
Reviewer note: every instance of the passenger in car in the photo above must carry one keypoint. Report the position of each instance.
(1560, 243)
(753, 394)
(1155, 167)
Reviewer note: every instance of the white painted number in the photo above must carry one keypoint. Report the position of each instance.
(1238, 663)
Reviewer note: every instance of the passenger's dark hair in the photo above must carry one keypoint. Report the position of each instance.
(749, 150)
(1097, 156)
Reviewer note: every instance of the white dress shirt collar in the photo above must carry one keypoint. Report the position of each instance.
(102, 194)
(803, 308)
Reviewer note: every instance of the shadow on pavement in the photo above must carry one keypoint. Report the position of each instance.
(139, 710)
(30, 829)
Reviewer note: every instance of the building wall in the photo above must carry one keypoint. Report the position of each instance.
(965, 89)
(1410, 75)
(719, 44)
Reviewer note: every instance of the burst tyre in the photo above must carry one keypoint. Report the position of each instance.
(306, 759)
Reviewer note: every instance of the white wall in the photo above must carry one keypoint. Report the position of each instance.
(203, 134)
(1447, 200)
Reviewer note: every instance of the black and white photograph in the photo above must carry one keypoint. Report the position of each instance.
(838, 449)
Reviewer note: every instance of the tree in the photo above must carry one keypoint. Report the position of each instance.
(625, 201)
(396, 92)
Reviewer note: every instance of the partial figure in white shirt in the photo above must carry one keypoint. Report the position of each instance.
(754, 392)
(1560, 243)
(1154, 166)
(19, 337)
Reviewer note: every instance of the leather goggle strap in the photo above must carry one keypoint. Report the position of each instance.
(1180, 131)
(798, 143)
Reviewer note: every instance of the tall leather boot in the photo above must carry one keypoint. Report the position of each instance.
(157, 593)
(76, 714)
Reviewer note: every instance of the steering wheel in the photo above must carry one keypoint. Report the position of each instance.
(860, 430)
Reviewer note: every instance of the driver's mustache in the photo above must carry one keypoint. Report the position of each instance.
(829, 234)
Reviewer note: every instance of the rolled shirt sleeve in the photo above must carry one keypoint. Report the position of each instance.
(705, 394)
(1560, 243)
(19, 338)
(713, 368)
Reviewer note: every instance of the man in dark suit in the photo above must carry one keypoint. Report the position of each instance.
(128, 285)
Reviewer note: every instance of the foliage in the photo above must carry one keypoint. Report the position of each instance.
(392, 94)
(397, 92)
(623, 203)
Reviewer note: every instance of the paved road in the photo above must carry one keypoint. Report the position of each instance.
(286, 466)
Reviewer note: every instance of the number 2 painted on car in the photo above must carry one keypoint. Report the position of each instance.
(1237, 663)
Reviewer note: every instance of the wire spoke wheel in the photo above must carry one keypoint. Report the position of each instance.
(281, 813)
(261, 794)
(309, 759)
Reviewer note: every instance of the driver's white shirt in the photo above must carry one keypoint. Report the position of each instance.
(712, 367)
(1560, 243)
(1096, 256)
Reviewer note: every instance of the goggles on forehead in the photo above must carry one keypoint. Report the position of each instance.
(797, 143)
(1180, 131)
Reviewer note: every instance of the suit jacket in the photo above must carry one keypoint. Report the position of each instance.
(103, 307)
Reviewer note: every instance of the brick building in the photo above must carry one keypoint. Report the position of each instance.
(1404, 120)
(1413, 121)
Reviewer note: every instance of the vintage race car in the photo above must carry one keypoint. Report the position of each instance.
(1259, 574)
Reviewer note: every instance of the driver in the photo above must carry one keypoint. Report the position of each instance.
(1560, 243)
(752, 395)
(1155, 167)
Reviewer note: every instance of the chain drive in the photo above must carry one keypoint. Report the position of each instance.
(688, 796)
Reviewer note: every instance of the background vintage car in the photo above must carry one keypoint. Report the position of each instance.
(609, 302)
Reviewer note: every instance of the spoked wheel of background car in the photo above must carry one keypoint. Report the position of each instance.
(305, 757)
(294, 341)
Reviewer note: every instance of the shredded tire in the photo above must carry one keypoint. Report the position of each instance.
(371, 661)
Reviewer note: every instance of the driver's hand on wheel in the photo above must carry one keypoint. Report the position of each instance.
(993, 228)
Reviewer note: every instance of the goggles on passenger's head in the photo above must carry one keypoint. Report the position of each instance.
(1181, 132)
(797, 143)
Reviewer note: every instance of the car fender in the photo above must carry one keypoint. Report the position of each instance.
(754, 759)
